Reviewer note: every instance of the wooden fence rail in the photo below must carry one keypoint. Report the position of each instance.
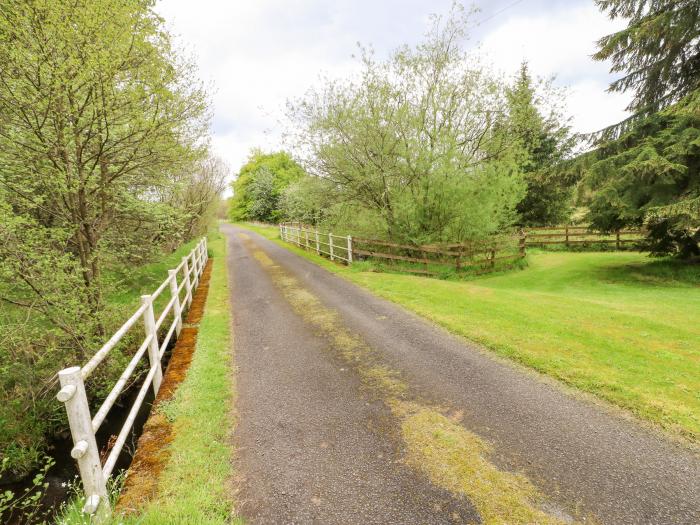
(481, 257)
(83, 426)
(581, 235)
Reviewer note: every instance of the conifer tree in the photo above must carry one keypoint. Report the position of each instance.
(543, 141)
(658, 52)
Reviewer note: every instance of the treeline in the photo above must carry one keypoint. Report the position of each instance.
(430, 146)
(103, 167)
(427, 146)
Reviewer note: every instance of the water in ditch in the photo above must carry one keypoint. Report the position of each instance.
(64, 473)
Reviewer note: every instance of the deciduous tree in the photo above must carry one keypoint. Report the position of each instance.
(413, 140)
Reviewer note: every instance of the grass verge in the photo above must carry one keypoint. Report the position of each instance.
(618, 325)
(194, 486)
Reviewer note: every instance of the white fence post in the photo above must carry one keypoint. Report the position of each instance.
(299, 236)
(177, 308)
(349, 249)
(85, 450)
(195, 269)
(281, 230)
(82, 426)
(149, 324)
(330, 242)
(306, 237)
(318, 246)
(188, 285)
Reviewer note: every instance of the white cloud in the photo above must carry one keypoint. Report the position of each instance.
(259, 53)
(560, 42)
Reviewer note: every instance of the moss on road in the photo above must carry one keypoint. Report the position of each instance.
(619, 325)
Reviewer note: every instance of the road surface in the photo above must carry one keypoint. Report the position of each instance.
(314, 446)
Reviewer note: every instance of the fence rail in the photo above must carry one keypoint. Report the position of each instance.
(481, 257)
(83, 426)
(581, 235)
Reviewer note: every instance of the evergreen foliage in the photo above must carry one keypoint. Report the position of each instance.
(645, 170)
(650, 177)
(658, 53)
(540, 131)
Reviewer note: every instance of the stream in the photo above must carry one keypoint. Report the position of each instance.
(64, 472)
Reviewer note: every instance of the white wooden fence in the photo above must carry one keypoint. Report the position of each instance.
(83, 426)
(335, 246)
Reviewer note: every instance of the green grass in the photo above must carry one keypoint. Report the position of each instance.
(194, 487)
(134, 282)
(619, 325)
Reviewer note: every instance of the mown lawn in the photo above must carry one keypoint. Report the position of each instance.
(619, 325)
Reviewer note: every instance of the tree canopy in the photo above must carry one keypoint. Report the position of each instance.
(103, 164)
(538, 128)
(645, 171)
(650, 177)
(411, 145)
(260, 183)
(658, 53)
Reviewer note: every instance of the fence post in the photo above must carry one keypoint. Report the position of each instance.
(177, 309)
(188, 284)
(521, 243)
(205, 246)
(318, 246)
(299, 235)
(349, 249)
(149, 324)
(195, 270)
(306, 236)
(617, 239)
(493, 258)
(281, 229)
(330, 242)
(566, 233)
(73, 395)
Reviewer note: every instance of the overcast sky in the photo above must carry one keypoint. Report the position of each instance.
(256, 54)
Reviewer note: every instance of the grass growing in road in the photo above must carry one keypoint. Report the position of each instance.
(618, 324)
(456, 459)
(448, 454)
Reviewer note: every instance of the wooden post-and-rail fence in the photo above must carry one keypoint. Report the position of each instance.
(83, 426)
(482, 256)
(571, 236)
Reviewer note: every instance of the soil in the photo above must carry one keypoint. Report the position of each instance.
(141, 482)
